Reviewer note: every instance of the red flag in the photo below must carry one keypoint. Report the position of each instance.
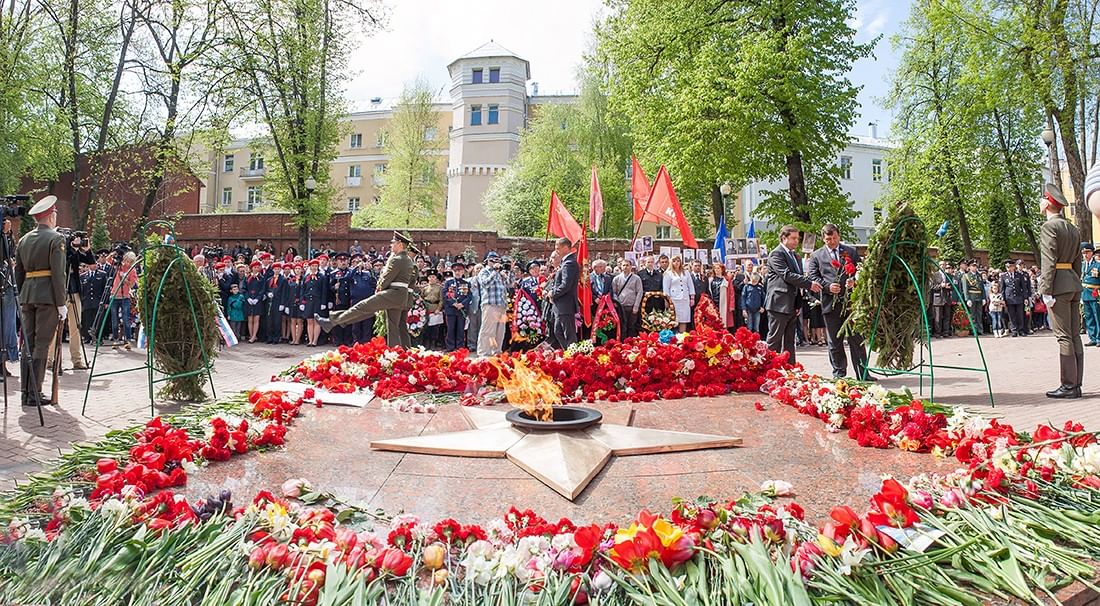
(561, 223)
(639, 188)
(664, 205)
(584, 286)
(595, 203)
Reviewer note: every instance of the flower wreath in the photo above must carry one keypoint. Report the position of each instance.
(527, 324)
(417, 317)
(706, 314)
(661, 317)
(606, 324)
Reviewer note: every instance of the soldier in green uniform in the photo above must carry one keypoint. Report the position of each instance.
(40, 276)
(1060, 285)
(1090, 298)
(392, 296)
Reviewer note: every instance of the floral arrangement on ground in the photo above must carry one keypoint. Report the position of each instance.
(1017, 522)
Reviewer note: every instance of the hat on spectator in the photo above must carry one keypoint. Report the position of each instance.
(341, 255)
(316, 261)
(492, 254)
(219, 265)
(533, 263)
(320, 257)
(1087, 246)
(255, 264)
(458, 263)
(277, 265)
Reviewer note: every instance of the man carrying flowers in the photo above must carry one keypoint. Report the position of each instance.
(456, 300)
(833, 266)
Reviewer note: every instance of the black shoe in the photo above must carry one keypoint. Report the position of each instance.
(324, 323)
(1091, 344)
(1065, 393)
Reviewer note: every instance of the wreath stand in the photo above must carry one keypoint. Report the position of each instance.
(149, 366)
(918, 278)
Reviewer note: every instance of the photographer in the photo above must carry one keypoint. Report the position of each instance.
(10, 344)
(492, 284)
(78, 253)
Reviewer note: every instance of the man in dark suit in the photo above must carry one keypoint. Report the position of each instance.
(783, 294)
(1016, 288)
(942, 300)
(564, 293)
(832, 267)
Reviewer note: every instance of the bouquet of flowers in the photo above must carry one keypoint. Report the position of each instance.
(417, 318)
(527, 324)
(605, 324)
(960, 320)
(662, 316)
(706, 314)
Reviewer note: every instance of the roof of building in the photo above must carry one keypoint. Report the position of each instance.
(491, 49)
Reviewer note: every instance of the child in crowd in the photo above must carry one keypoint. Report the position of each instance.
(752, 297)
(235, 307)
(997, 309)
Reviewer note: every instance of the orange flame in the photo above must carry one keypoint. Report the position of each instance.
(529, 389)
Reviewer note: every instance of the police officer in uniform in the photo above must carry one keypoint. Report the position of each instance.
(340, 297)
(40, 276)
(392, 296)
(1060, 285)
(362, 284)
(1090, 298)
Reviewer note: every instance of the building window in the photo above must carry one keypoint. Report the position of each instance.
(380, 139)
(846, 167)
(475, 115)
(227, 196)
(430, 133)
(357, 140)
(664, 232)
(255, 161)
(477, 75)
(353, 204)
(876, 170)
(494, 75)
(494, 114)
(379, 172)
(376, 199)
(227, 163)
(355, 171)
(255, 197)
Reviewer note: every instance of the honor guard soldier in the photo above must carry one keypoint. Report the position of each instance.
(40, 276)
(1060, 285)
(392, 296)
(456, 302)
(1090, 297)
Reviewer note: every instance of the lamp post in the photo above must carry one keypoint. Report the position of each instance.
(726, 189)
(311, 184)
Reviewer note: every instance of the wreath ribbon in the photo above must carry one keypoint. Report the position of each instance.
(604, 306)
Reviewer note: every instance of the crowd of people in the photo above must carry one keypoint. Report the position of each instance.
(996, 302)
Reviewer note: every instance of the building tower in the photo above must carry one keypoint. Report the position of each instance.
(489, 106)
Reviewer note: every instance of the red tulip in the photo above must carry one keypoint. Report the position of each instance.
(106, 465)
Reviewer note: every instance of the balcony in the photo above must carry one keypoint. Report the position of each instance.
(253, 173)
(353, 181)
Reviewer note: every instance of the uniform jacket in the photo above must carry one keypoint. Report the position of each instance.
(1060, 242)
(92, 285)
(652, 281)
(456, 290)
(42, 249)
(398, 276)
(1090, 278)
(942, 295)
(340, 288)
(363, 283)
(1016, 287)
(785, 282)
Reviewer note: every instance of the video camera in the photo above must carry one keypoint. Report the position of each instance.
(74, 238)
(15, 205)
(213, 253)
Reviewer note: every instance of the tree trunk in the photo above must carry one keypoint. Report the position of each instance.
(73, 106)
(717, 204)
(1076, 176)
(1018, 196)
(1055, 165)
(303, 240)
(796, 183)
(960, 212)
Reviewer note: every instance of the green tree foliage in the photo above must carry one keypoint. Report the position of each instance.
(291, 57)
(101, 238)
(965, 133)
(1000, 240)
(556, 153)
(413, 189)
(723, 91)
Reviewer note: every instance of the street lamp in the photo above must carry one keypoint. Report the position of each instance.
(725, 189)
(311, 184)
(1048, 138)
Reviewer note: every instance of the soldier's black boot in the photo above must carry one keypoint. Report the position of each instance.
(1065, 393)
(39, 377)
(325, 323)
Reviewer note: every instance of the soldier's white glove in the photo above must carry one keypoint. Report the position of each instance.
(330, 305)
(270, 295)
(281, 308)
(1049, 300)
(63, 311)
(301, 308)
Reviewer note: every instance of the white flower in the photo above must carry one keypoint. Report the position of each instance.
(114, 508)
(850, 556)
(1004, 460)
(779, 488)
(34, 534)
(601, 582)
(1086, 460)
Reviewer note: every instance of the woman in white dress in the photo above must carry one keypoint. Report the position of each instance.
(680, 288)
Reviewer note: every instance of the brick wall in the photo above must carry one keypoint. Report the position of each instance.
(226, 229)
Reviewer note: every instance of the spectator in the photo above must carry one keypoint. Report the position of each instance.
(679, 287)
(493, 300)
(563, 293)
(997, 309)
(626, 288)
(752, 297)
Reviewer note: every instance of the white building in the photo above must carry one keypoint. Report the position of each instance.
(863, 179)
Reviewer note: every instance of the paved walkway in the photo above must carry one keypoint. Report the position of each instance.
(1021, 370)
(114, 402)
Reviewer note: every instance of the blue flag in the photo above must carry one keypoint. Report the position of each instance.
(942, 231)
(752, 229)
(720, 238)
